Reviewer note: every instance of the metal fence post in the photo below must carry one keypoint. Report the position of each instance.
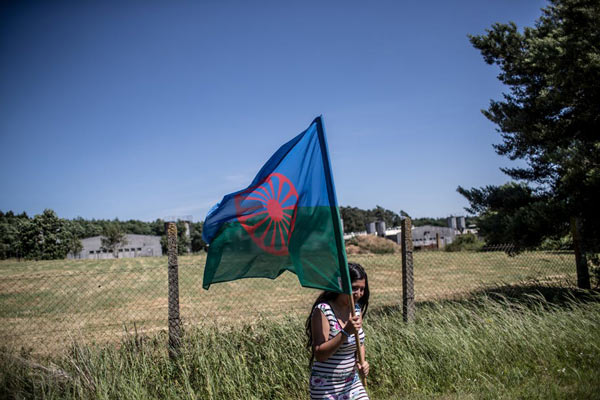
(174, 320)
(408, 290)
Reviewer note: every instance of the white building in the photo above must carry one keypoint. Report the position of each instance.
(137, 246)
(426, 236)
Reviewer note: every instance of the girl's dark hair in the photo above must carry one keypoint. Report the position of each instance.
(357, 272)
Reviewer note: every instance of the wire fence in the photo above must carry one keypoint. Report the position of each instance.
(45, 305)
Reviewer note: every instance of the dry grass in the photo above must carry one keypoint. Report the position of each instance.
(43, 304)
(371, 244)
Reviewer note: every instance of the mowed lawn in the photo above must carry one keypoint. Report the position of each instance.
(45, 304)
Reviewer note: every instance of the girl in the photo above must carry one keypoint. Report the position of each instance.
(330, 330)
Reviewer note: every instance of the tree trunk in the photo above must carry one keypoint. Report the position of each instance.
(583, 273)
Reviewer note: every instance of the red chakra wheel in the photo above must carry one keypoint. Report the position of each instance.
(268, 213)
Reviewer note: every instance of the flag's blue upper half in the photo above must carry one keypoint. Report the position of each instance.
(296, 161)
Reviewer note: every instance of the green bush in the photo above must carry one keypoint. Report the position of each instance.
(466, 242)
(563, 243)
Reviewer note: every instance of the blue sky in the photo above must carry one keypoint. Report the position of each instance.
(150, 109)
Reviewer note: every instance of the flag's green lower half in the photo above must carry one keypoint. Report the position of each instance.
(312, 255)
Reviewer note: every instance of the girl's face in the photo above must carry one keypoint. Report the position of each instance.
(358, 289)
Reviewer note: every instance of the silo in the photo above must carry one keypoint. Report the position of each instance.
(186, 224)
(188, 233)
(460, 223)
(452, 222)
(380, 228)
(371, 228)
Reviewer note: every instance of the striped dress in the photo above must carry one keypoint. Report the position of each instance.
(337, 378)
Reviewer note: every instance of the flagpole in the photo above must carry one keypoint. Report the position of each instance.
(359, 353)
(337, 231)
(339, 239)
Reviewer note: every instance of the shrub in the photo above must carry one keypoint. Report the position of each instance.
(354, 249)
(563, 243)
(465, 242)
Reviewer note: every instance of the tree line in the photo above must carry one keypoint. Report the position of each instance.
(47, 236)
(356, 219)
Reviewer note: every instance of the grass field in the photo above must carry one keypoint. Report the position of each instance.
(515, 342)
(44, 303)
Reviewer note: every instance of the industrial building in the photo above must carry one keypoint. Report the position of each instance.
(457, 223)
(423, 237)
(137, 246)
(427, 236)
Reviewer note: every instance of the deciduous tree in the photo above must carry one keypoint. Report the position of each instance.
(113, 238)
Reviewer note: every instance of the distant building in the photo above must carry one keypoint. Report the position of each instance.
(425, 236)
(371, 228)
(461, 223)
(137, 246)
(380, 228)
(457, 223)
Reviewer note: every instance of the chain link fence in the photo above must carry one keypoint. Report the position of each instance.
(440, 275)
(45, 305)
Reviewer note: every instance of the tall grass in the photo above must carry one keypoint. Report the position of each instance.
(489, 347)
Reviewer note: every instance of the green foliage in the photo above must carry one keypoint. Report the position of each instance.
(561, 243)
(185, 243)
(549, 117)
(443, 222)
(45, 237)
(113, 238)
(429, 221)
(10, 241)
(198, 243)
(514, 213)
(48, 237)
(490, 347)
(465, 242)
(356, 219)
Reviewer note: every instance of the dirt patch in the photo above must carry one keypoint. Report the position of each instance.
(371, 244)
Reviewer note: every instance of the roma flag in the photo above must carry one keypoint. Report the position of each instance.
(286, 220)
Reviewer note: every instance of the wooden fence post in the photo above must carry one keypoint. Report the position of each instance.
(174, 320)
(408, 290)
